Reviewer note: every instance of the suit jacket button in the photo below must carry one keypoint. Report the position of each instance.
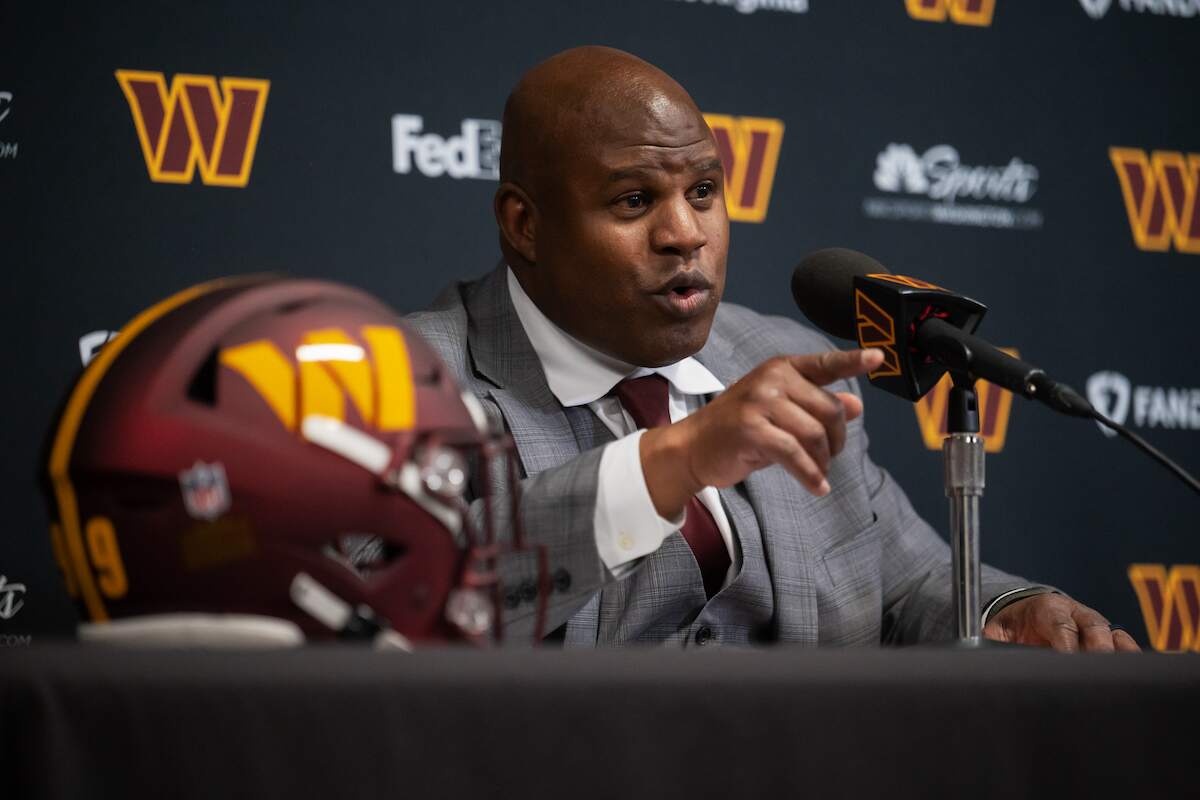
(703, 635)
(529, 591)
(562, 580)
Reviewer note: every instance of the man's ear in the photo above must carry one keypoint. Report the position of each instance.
(516, 216)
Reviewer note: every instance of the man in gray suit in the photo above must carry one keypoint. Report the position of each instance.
(697, 473)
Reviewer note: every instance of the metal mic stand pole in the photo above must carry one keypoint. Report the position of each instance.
(963, 454)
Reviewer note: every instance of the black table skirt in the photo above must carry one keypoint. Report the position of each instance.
(343, 722)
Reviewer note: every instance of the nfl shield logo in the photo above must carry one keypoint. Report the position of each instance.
(205, 490)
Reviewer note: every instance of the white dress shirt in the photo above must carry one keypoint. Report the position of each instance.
(627, 526)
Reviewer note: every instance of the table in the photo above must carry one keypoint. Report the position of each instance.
(339, 721)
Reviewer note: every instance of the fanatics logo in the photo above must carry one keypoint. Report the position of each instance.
(1114, 396)
(962, 12)
(749, 148)
(1160, 191)
(1170, 603)
(195, 124)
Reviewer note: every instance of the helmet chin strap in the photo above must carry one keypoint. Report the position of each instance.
(356, 623)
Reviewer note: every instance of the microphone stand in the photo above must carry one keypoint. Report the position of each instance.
(963, 454)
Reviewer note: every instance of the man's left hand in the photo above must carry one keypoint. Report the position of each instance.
(1057, 621)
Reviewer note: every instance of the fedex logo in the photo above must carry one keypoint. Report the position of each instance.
(473, 153)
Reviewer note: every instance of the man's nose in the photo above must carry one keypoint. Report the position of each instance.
(677, 229)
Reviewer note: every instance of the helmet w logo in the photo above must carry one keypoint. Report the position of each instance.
(1160, 192)
(196, 125)
(328, 368)
(749, 148)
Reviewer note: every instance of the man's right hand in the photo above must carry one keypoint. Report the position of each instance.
(776, 414)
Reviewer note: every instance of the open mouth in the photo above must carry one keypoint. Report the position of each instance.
(686, 295)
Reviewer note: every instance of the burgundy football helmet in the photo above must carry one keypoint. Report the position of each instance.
(267, 459)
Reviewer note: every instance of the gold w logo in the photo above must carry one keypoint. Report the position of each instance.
(749, 148)
(329, 368)
(994, 404)
(196, 125)
(1170, 601)
(876, 328)
(904, 280)
(963, 12)
(1160, 192)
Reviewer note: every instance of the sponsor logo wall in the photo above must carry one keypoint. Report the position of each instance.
(1040, 158)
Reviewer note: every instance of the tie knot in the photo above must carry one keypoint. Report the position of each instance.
(645, 399)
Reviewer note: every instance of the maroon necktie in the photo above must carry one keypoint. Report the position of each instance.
(646, 401)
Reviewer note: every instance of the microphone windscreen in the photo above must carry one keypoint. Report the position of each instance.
(823, 288)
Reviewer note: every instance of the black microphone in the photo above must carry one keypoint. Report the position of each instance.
(922, 329)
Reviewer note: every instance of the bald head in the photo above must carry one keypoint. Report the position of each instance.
(585, 98)
(610, 205)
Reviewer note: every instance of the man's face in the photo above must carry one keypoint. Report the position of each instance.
(632, 241)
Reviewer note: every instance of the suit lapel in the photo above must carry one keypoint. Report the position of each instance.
(777, 503)
(544, 437)
(502, 355)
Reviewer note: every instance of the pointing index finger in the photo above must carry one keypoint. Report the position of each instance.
(833, 365)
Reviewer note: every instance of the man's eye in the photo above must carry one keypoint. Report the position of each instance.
(704, 191)
(634, 201)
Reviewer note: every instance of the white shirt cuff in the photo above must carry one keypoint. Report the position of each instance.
(627, 526)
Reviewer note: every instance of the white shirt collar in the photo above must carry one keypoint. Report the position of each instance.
(578, 374)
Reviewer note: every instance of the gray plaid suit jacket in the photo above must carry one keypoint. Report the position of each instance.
(856, 567)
